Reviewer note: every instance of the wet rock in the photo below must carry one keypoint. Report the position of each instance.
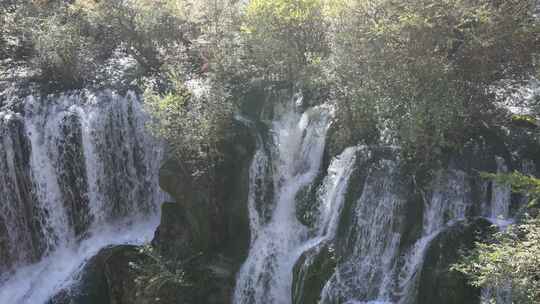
(439, 284)
(116, 275)
(4, 243)
(211, 212)
(311, 272)
(174, 237)
(207, 227)
(133, 277)
(121, 275)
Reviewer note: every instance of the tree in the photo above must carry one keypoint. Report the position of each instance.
(70, 42)
(426, 69)
(284, 37)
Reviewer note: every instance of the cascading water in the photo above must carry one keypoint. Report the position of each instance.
(77, 173)
(295, 156)
(377, 262)
(499, 212)
(448, 204)
(366, 271)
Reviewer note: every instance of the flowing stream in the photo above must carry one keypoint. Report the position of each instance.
(77, 173)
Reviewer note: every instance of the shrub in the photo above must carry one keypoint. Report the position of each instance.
(510, 264)
(62, 52)
(193, 120)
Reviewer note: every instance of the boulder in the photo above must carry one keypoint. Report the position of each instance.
(91, 286)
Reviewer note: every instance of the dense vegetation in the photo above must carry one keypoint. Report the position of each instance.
(423, 74)
(427, 75)
(427, 68)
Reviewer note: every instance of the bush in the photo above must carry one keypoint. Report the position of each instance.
(195, 121)
(510, 264)
(147, 30)
(154, 272)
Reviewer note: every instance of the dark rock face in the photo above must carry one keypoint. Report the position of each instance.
(311, 272)
(208, 225)
(438, 284)
(174, 236)
(233, 188)
(215, 210)
(111, 277)
(121, 275)
(127, 275)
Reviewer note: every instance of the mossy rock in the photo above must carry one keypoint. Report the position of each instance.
(211, 280)
(175, 180)
(174, 236)
(413, 216)
(438, 283)
(121, 276)
(4, 245)
(211, 211)
(311, 272)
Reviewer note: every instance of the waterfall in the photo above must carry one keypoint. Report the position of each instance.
(499, 212)
(366, 270)
(331, 194)
(378, 260)
(293, 155)
(448, 203)
(77, 173)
